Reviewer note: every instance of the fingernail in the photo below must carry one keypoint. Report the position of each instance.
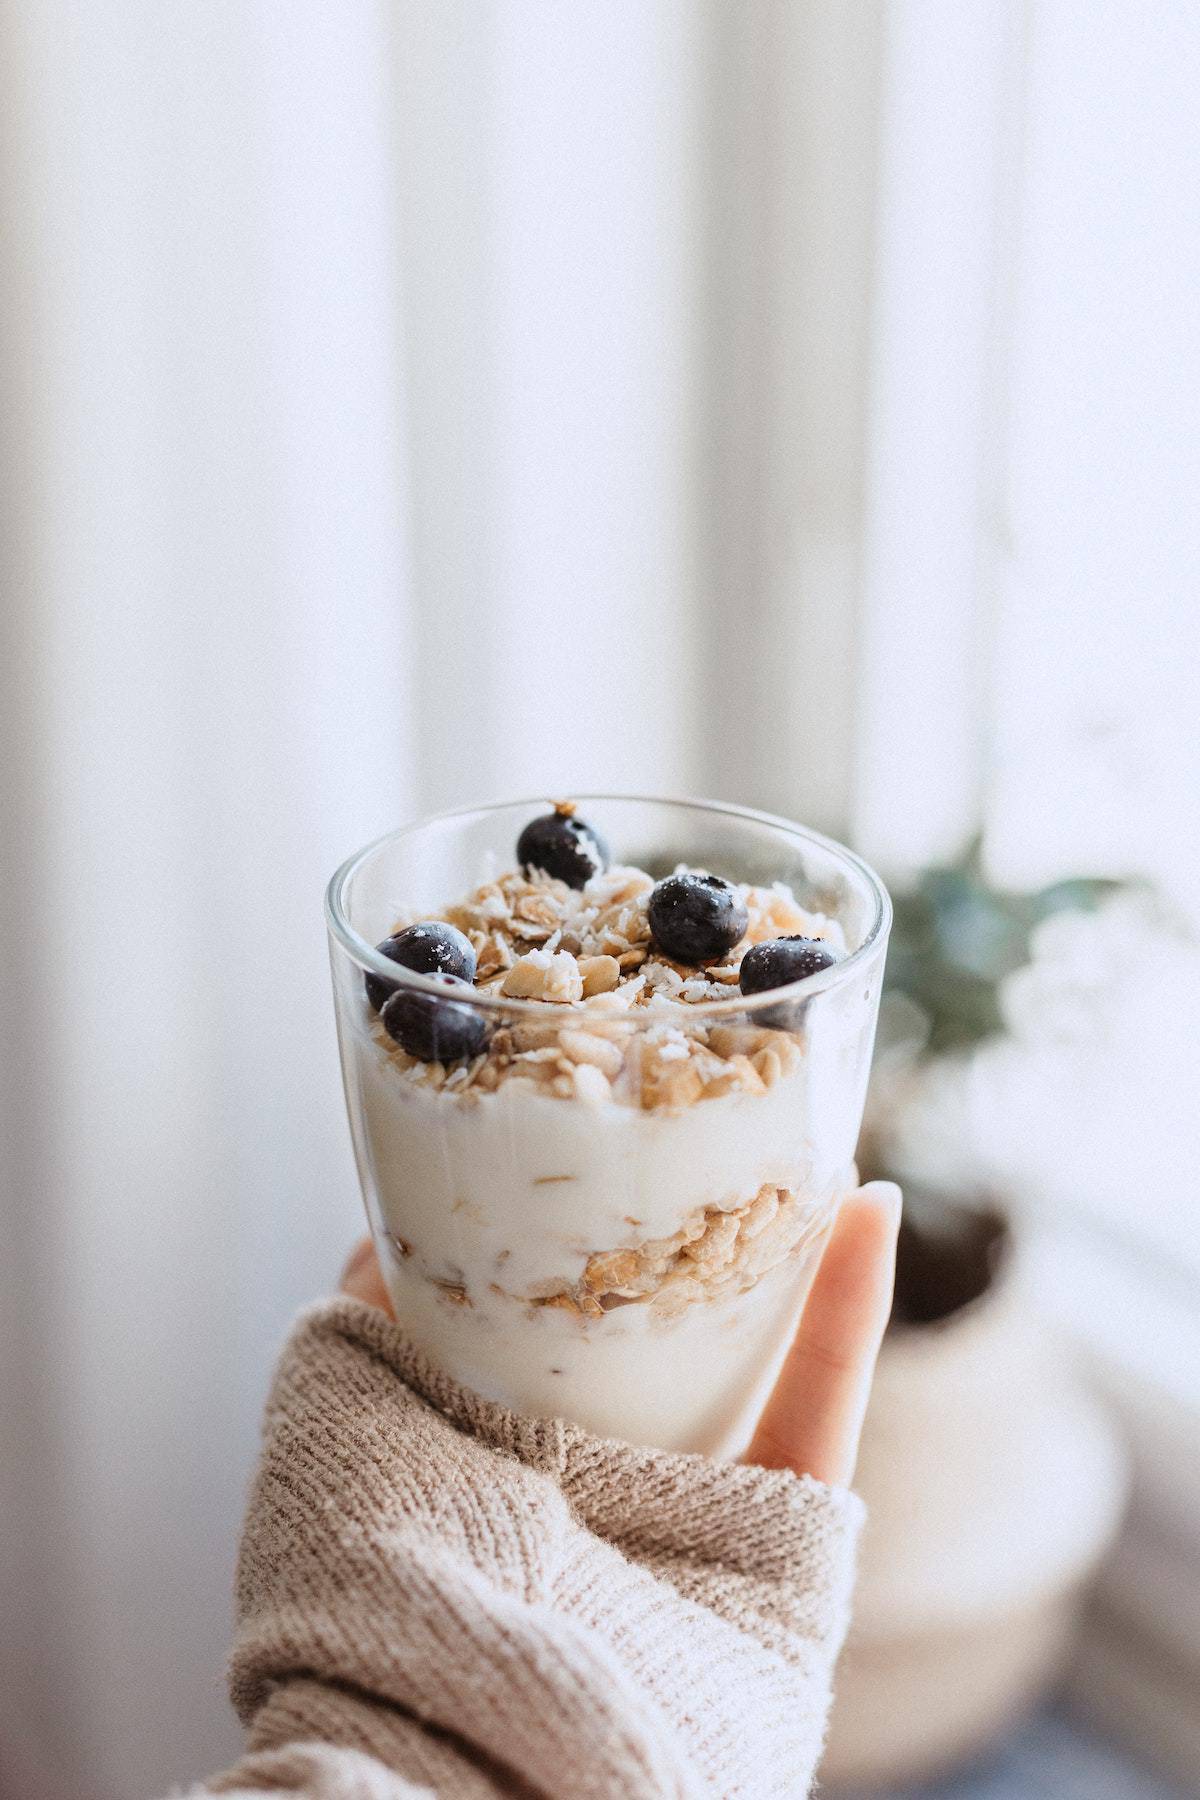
(885, 1193)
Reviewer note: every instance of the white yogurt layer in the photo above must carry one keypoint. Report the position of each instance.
(495, 1198)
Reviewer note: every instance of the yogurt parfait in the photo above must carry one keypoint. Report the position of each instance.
(605, 1065)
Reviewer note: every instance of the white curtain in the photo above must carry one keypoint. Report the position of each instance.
(206, 701)
(401, 406)
(1028, 631)
(408, 404)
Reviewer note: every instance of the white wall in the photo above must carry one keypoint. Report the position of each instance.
(1095, 757)
(1030, 637)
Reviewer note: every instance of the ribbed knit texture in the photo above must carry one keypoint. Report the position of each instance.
(436, 1595)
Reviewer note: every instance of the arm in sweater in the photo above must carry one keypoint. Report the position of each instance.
(438, 1596)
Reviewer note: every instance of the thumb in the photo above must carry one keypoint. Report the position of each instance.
(813, 1420)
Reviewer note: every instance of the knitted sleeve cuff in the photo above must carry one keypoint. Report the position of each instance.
(704, 1525)
(448, 1588)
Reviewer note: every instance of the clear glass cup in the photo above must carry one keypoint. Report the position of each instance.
(611, 1214)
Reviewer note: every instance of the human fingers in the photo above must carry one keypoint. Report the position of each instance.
(813, 1420)
(361, 1277)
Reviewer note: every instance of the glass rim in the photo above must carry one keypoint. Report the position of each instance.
(372, 962)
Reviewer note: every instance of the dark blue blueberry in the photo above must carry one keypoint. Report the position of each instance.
(433, 1029)
(696, 918)
(563, 845)
(778, 963)
(431, 948)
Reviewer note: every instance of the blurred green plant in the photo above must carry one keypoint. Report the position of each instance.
(956, 938)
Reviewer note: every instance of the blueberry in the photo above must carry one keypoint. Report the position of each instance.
(564, 846)
(777, 963)
(432, 1029)
(431, 948)
(696, 918)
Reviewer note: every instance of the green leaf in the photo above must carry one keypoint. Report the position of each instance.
(955, 939)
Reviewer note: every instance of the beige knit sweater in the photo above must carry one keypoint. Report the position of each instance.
(437, 1596)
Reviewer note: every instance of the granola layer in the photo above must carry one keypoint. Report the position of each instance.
(715, 1255)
